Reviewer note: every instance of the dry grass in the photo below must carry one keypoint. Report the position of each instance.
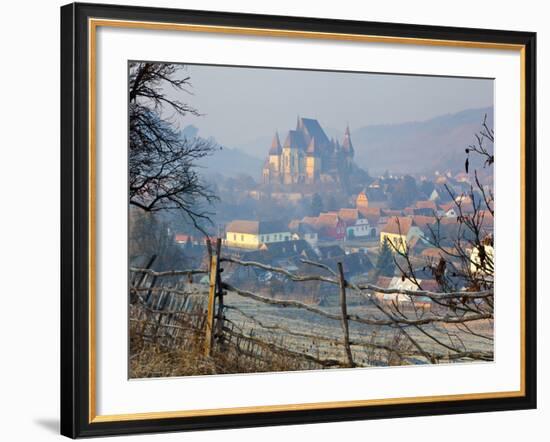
(154, 352)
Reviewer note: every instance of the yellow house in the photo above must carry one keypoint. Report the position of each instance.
(399, 231)
(252, 234)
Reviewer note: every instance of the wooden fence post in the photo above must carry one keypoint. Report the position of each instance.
(219, 293)
(144, 274)
(213, 289)
(209, 250)
(343, 306)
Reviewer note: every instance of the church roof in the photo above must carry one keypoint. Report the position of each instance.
(313, 129)
(275, 145)
(295, 140)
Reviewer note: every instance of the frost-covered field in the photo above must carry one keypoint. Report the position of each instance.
(319, 333)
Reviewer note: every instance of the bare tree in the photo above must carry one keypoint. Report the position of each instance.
(465, 264)
(163, 163)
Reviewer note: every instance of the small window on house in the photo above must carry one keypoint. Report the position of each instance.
(242, 237)
(234, 237)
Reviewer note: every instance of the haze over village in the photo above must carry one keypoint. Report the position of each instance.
(339, 193)
(312, 200)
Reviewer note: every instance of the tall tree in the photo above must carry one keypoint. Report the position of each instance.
(385, 265)
(162, 162)
(404, 193)
(316, 205)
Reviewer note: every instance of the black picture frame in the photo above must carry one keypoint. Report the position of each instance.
(75, 220)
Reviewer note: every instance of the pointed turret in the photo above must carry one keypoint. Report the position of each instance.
(347, 145)
(276, 148)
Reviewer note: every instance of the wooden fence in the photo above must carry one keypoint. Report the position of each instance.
(175, 311)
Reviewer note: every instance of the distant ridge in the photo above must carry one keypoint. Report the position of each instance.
(231, 162)
(419, 147)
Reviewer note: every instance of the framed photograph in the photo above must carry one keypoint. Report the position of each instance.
(274, 220)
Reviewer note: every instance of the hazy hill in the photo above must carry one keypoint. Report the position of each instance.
(226, 161)
(418, 147)
(231, 162)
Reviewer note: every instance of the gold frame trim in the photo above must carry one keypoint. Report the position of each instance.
(93, 24)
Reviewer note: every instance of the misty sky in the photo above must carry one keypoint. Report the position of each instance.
(241, 105)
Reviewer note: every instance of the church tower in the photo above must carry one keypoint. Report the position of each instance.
(347, 148)
(272, 167)
(362, 202)
(313, 163)
(275, 153)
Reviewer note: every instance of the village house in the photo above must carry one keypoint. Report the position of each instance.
(285, 254)
(403, 300)
(424, 221)
(425, 207)
(361, 229)
(355, 264)
(435, 195)
(373, 215)
(400, 231)
(330, 226)
(303, 231)
(357, 225)
(448, 210)
(331, 252)
(182, 238)
(462, 177)
(375, 184)
(252, 234)
(349, 216)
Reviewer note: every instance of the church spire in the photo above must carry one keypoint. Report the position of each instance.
(347, 145)
(275, 145)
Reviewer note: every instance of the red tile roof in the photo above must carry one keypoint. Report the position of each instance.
(349, 216)
(399, 225)
(423, 221)
(383, 281)
(181, 237)
(426, 204)
(256, 227)
(328, 219)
